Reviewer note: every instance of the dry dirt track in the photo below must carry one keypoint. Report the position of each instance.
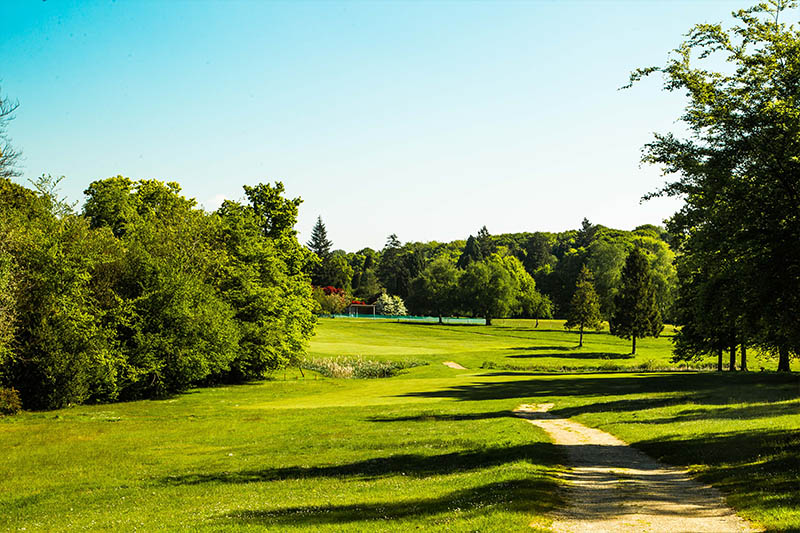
(613, 487)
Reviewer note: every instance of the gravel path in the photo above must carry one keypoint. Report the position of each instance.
(614, 487)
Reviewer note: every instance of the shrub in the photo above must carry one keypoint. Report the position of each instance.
(358, 367)
(10, 403)
(390, 305)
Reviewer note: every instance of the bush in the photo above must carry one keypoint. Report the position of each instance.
(358, 367)
(10, 403)
(390, 305)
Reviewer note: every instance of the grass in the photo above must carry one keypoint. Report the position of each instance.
(432, 448)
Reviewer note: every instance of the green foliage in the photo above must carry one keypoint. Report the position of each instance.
(144, 295)
(10, 403)
(737, 168)
(636, 309)
(435, 291)
(585, 310)
(472, 253)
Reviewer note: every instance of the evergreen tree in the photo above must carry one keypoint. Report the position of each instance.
(636, 312)
(485, 242)
(319, 243)
(585, 305)
(471, 254)
(321, 246)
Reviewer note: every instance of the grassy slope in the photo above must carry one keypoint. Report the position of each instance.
(434, 448)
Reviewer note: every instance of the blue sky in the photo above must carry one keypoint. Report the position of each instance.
(424, 119)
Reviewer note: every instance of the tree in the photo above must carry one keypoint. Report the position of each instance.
(434, 291)
(485, 242)
(319, 242)
(472, 253)
(488, 289)
(8, 154)
(320, 245)
(738, 168)
(585, 308)
(636, 312)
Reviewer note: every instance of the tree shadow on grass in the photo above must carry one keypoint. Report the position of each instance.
(530, 496)
(762, 468)
(574, 355)
(716, 388)
(544, 348)
(439, 417)
(415, 465)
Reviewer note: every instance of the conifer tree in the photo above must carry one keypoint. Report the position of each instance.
(319, 243)
(321, 246)
(585, 305)
(471, 254)
(636, 312)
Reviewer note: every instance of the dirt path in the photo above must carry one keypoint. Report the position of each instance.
(614, 487)
(453, 364)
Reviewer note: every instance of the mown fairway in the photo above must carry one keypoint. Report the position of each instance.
(434, 448)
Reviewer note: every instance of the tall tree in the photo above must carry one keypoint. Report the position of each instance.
(471, 253)
(8, 154)
(738, 165)
(488, 289)
(319, 242)
(636, 312)
(485, 242)
(434, 291)
(585, 308)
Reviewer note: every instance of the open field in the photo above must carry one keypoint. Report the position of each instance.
(434, 448)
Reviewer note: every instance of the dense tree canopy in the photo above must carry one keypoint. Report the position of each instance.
(737, 166)
(143, 294)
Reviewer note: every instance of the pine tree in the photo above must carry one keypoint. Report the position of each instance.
(485, 242)
(319, 243)
(472, 253)
(585, 305)
(636, 312)
(321, 246)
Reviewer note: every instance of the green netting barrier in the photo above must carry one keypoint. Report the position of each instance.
(416, 319)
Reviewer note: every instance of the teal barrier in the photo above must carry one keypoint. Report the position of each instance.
(416, 319)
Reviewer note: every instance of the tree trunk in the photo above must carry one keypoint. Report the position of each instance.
(580, 342)
(440, 319)
(537, 323)
(488, 320)
(732, 366)
(783, 359)
(719, 360)
(633, 348)
(744, 358)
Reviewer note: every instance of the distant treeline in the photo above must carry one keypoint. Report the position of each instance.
(142, 294)
(416, 271)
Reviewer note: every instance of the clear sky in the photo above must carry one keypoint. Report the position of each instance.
(424, 119)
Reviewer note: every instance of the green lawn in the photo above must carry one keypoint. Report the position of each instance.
(434, 448)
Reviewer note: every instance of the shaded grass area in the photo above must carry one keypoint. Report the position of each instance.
(738, 432)
(247, 458)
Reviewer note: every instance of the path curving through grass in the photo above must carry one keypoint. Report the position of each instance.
(613, 487)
